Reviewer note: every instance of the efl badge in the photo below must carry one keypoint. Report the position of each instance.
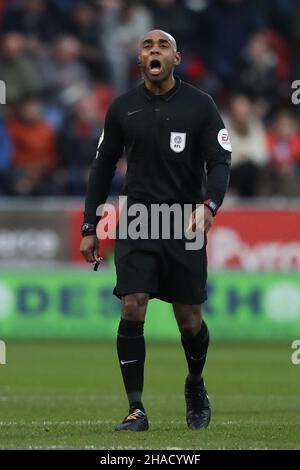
(177, 141)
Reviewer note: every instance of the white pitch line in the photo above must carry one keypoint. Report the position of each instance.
(56, 423)
(113, 422)
(30, 397)
(48, 447)
(78, 423)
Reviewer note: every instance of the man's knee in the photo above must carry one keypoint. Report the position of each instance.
(134, 306)
(189, 320)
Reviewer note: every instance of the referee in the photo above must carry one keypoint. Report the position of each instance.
(178, 151)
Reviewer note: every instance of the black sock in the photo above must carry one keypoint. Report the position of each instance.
(195, 348)
(132, 352)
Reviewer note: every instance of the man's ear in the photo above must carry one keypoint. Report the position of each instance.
(177, 58)
(139, 62)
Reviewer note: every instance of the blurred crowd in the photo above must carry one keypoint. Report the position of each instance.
(63, 61)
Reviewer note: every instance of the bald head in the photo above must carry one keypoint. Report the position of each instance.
(158, 33)
(158, 56)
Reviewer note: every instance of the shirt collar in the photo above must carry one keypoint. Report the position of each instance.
(167, 96)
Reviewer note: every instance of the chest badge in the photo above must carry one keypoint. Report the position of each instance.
(177, 141)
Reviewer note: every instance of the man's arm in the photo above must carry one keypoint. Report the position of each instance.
(109, 150)
(216, 149)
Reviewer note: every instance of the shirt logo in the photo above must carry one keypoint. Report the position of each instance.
(177, 141)
(130, 113)
(223, 139)
(128, 362)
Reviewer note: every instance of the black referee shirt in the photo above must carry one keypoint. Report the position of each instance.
(174, 143)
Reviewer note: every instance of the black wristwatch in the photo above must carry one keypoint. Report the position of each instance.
(211, 205)
(88, 229)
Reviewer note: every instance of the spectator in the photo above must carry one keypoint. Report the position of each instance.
(17, 70)
(34, 156)
(284, 153)
(85, 27)
(67, 79)
(248, 141)
(258, 75)
(231, 24)
(174, 17)
(32, 18)
(77, 144)
(123, 25)
(279, 14)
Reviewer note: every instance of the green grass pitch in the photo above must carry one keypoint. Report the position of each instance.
(69, 395)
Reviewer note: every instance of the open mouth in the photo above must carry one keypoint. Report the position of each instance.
(155, 67)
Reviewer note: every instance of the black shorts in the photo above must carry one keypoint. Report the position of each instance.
(161, 268)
